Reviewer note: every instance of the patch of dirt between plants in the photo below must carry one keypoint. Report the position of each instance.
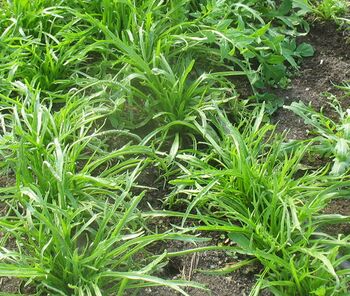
(329, 66)
(342, 207)
(6, 181)
(238, 283)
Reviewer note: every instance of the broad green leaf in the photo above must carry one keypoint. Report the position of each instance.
(305, 50)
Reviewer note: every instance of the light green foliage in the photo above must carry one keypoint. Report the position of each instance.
(245, 184)
(71, 211)
(331, 9)
(333, 136)
(58, 46)
(92, 93)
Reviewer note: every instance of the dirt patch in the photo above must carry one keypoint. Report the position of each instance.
(329, 66)
(9, 285)
(7, 181)
(238, 283)
(341, 207)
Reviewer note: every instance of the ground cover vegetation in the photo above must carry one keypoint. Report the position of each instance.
(95, 93)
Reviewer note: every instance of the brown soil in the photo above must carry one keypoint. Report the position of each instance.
(6, 181)
(330, 66)
(341, 207)
(9, 285)
(191, 267)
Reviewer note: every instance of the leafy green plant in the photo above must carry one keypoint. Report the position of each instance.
(93, 249)
(247, 35)
(169, 94)
(59, 42)
(71, 212)
(332, 136)
(46, 44)
(160, 68)
(159, 55)
(331, 9)
(246, 185)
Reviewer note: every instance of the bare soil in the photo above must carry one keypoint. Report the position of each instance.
(330, 66)
(341, 207)
(192, 267)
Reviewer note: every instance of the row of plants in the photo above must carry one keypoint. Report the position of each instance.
(94, 93)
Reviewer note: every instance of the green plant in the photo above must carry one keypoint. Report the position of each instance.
(251, 36)
(77, 76)
(169, 94)
(71, 212)
(156, 57)
(246, 185)
(46, 44)
(60, 40)
(331, 9)
(332, 136)
(93, 249)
